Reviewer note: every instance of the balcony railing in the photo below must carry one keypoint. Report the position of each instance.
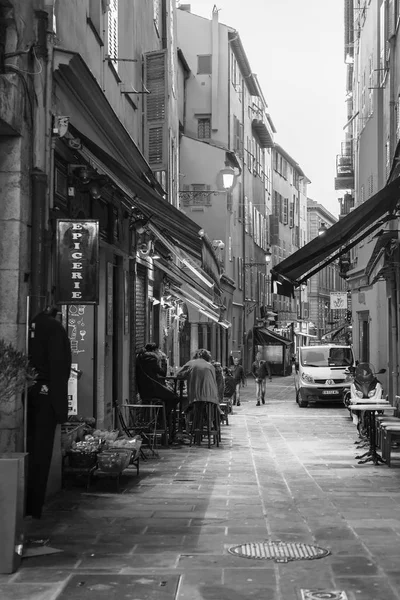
(344, 173)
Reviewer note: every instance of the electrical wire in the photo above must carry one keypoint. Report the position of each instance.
(14, 68)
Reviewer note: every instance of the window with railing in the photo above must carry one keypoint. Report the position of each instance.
(112, 33)
(204, 127)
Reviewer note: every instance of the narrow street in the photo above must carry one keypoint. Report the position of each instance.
(281, 473)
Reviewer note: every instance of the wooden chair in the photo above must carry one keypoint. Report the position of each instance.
(205, 423)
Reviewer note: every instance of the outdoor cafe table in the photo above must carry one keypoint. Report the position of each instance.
(369, 408)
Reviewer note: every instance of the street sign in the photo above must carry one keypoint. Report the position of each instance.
(338, 300)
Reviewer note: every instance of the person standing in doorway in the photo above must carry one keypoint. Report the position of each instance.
(50, 356)
(261, 370)
(240, 379)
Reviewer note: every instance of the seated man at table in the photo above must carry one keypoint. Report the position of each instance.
(150, 377)
(201, 378)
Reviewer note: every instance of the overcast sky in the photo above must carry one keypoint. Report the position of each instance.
(296, 47)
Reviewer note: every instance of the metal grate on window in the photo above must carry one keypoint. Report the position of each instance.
(204, 128)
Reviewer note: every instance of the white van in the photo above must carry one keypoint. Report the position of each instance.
(320, 373)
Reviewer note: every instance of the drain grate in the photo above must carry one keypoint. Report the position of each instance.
(317, 594)
(278, 551)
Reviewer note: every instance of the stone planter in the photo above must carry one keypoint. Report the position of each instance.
(12, 507)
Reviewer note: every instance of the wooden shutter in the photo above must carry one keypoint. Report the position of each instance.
(140, 308)
(291, 214)
(156, 110)
(285, 211)
(391, 19)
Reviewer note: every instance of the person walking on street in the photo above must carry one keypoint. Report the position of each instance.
(240, 379)
(261, 370)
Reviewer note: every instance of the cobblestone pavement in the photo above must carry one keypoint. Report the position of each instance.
(281, 473)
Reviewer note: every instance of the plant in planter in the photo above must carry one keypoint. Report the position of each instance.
(15, 374)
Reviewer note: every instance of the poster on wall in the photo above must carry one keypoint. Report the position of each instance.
(73, 391)
(77, 261)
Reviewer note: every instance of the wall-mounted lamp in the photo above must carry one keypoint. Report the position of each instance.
(322, 228)
(80, 171)
(267, 260)
(218, 244)
(95, 190)
(147, 250)
(228, 177)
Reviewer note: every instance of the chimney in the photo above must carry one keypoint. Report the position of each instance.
(185, 7)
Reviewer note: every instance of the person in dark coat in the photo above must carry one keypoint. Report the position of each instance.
(261, 369)
(219, 375)
(50, 356)
(150, 377)
(240, 379)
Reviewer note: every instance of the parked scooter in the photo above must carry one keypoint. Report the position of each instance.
(365, 388)
(365, 385)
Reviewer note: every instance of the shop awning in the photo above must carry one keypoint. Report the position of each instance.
(163, 215)
(264, 336)
(201, 307)
(334, 332)
(337, 240)
(304, 334)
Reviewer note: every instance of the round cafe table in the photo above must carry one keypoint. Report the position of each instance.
(370, 408)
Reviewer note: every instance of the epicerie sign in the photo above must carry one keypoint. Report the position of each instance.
(77, 261)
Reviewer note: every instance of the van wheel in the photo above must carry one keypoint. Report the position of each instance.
(302, 403)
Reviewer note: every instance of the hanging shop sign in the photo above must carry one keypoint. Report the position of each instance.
(77, 261)
(338, 300)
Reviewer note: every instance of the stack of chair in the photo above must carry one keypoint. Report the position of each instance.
(388, 432)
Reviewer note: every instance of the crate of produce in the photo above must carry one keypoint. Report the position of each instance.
(114, 461)
(82, 460)
(70, 433)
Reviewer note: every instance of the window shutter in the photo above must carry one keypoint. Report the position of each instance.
(156, 109)
(113, 32)
(391, 19)
(291, 215)
(382, 41)
(285, 211)
(398, 118)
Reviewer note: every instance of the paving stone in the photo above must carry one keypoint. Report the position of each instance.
(115, 587)
(33, 591)
(114, 563)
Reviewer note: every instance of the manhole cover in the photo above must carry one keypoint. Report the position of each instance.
(317, 594)
(278, 551)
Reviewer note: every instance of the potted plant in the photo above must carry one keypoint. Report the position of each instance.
(15, 372)
(15, 375)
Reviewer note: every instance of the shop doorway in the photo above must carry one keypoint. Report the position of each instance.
(117, 329)
(363, 327)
